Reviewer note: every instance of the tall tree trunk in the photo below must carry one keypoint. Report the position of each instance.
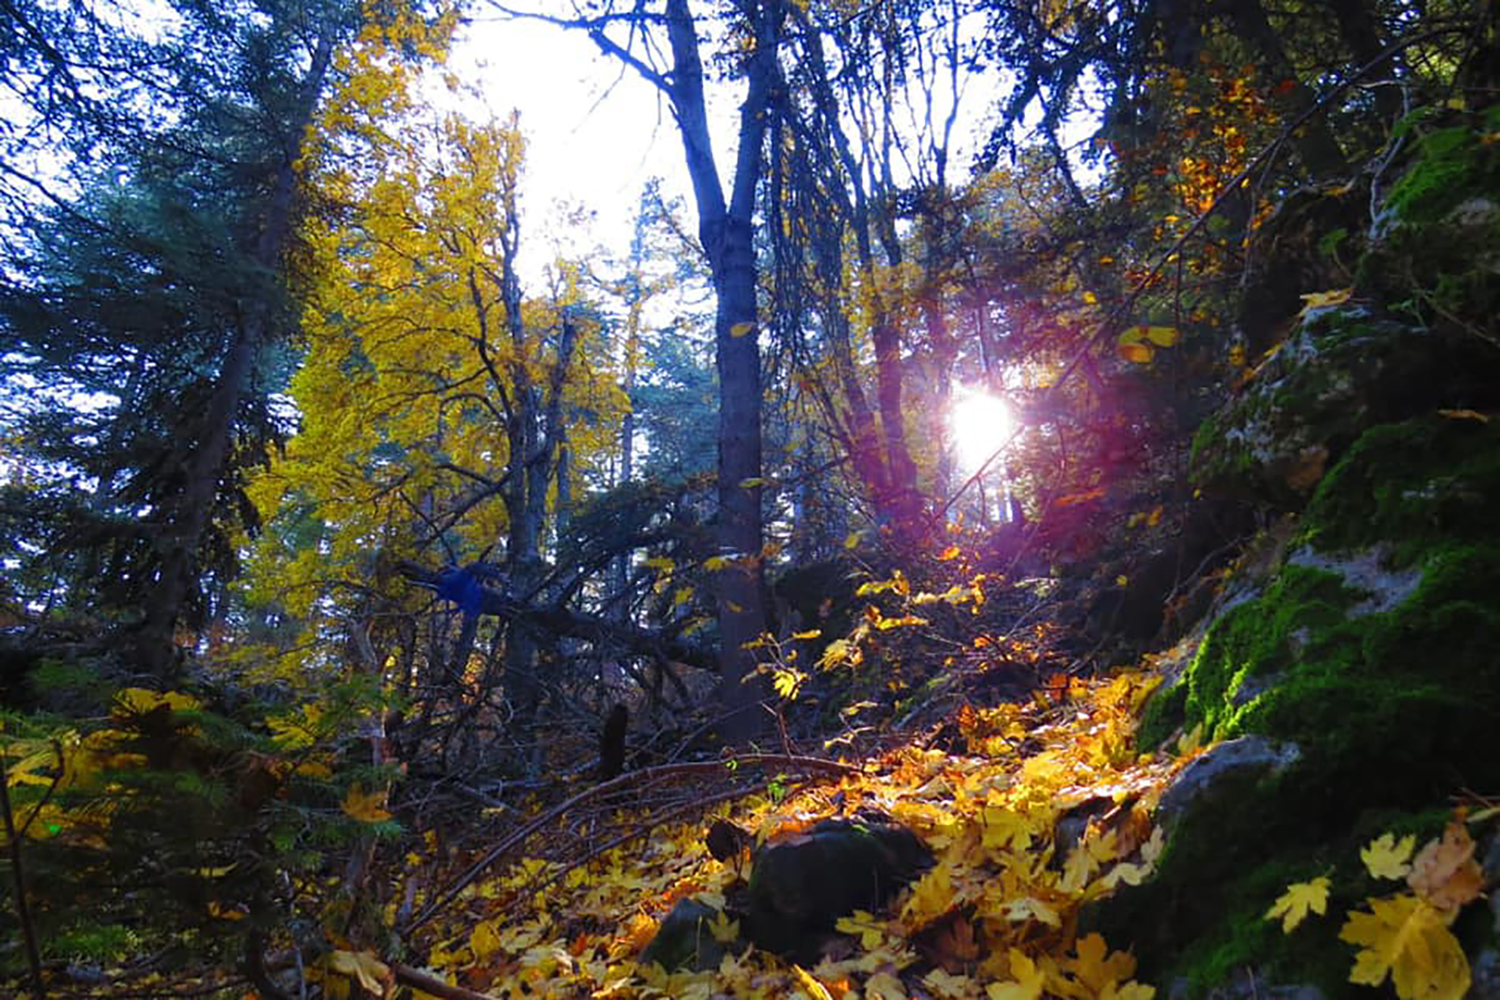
(207, 461)
(726, 232)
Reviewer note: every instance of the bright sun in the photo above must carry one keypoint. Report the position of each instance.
(981, 424)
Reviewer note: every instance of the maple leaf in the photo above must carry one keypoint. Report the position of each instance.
(363, 966)
(948, 985)
(1408, 939)
(1095, 967)
(1005, 828)
(1300, 899)
(1027, 980)
(1387, 857)
(1445, 873)
(1027, 908)
(367, 807)
(484, 941)
(931, 897)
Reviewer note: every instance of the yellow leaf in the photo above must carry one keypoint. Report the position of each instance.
(951, 552)
(835, 653)
(946, 984)
(871, 932)
(221, 912)
(1161, 336)
(1026, 980)
(741, 329)
(1408, 939)
(484, 940)
(884, 986)
(682, 596)
(1128, 991)
(814, 989)
(1027, 908)
(716, 563)
(1483, 418)
(1387, 857)
(752, 482)
(363, 966)
(1298, 900)
(852, 542)
(1138, 354)
(1190, 741)
(787, 682)
(723, 929)
(1324, 300)
(812, 633)
(1096, 968)
(931, 897)
(1090, 298)
(367, 807)
(139, 701)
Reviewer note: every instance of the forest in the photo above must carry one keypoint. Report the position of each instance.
(1013, 518)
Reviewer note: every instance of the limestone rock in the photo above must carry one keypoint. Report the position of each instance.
(1239, 758)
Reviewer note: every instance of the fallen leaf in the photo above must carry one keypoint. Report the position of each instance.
(1026, 980)
(1095, 967)
(1445, 872)
(1407, 938)
(363, 966)
(1387, 857)
(1300, 899)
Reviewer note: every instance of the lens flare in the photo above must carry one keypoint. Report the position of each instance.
(982, 424)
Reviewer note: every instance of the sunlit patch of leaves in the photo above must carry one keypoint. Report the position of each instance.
(995, 916)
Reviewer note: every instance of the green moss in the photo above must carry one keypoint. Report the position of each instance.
(1452, 164)
(1164, 714)
(1413, 485)
(1202, 917)
(1393, 698)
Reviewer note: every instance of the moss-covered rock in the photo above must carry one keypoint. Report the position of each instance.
(1372, 647)
(1437, 246)
(1341, 371)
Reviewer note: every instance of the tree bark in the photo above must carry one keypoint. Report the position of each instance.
(726, 232)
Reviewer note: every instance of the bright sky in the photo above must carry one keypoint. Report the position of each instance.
(595, 134)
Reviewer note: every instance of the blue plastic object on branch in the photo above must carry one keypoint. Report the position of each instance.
(460, 585)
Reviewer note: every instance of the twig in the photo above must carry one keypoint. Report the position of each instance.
(625, 780)
(419, 980)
